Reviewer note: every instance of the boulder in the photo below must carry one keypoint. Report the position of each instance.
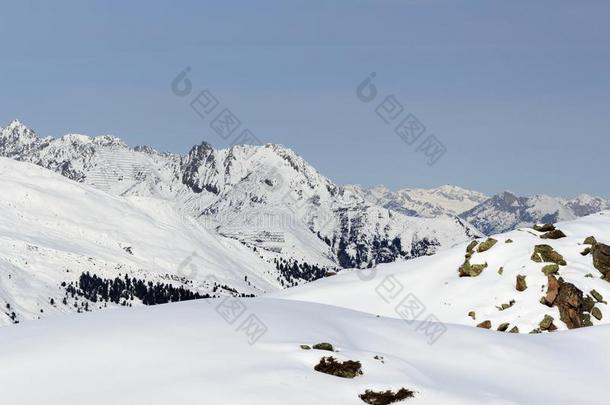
(488, 244)
(503, 327)
(547, 323)
(552, 290)
(596, 313)
(385, 397)
(471, 246)
(570, 302)
(471, 270)
(305, 347)
(514, 329)
(588, 304)
(544, 228)
(550, 269)
(472, 314)
(324, 346)
(508, 240)
(597, 296)
(502, 307)
(590, 240)
(485, 324)
(521, 284)
(601, 259)
(554, 234)
(346, 369)
(545, 253)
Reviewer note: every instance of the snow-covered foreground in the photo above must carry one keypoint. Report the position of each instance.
(435, 284)
(186, 353)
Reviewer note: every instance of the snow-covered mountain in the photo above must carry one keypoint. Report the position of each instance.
(585, 204)
(52, 230)
(512, 282)
(267, 197)
(499, 213)
(123, 227)
(506, 211)
(428, 203)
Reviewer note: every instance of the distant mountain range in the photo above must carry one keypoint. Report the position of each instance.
(427, 203)
(255, 218)
(500, 213)
(266, 197)
(271, 200)
(506, 211)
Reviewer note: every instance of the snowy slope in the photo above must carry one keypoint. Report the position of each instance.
(186, 353)
(436, 283)
(267, 197)
(53, 229)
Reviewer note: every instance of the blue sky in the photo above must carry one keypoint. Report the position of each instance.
(517, 92)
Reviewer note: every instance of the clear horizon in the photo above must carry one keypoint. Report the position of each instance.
(517, 99)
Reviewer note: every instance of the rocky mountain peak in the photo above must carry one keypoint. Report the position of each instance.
(506, 198)
(17, 139)
(15, 123)
(18, 129)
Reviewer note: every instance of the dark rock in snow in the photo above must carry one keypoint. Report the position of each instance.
(601, 259)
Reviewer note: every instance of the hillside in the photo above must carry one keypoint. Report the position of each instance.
(492, 295)
(53, 229)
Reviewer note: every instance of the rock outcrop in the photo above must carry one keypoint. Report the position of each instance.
(485, 324)
(471, 270)
(554, 234)
(547, 323)
(488, 244)
(544, 228)
(521, 284)
(570, 301)
(546, 253)
(601, 259)
(550, 269)
(346, 369)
